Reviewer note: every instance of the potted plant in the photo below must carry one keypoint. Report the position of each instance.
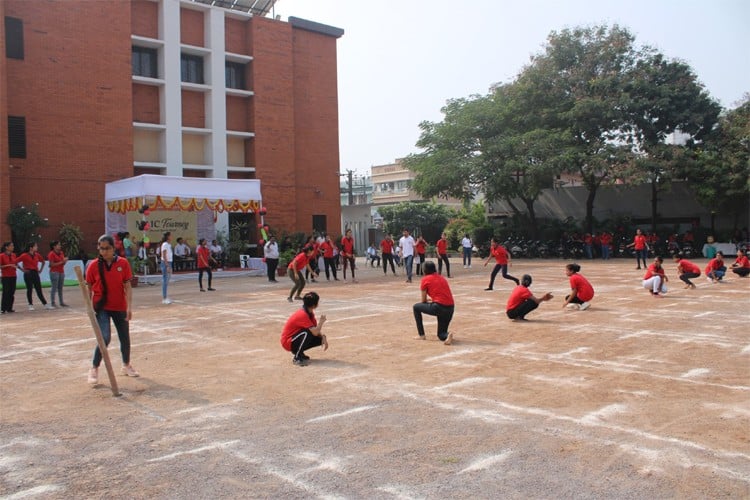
(136, 266)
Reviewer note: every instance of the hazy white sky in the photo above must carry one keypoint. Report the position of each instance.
(400, 61)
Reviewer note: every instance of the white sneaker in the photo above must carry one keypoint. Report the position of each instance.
(130, 371)
(93, 376)
(31, 307)
(573, 307)
(166, 301)
(585, 306)
(49, 306)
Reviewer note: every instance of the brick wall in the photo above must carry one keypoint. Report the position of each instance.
(235, 36)
(144, 18)
(192, 27)
(5, 204)
(74, 88)
(146, 103)
(193, 109)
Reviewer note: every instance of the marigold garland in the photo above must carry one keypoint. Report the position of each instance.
(187, 205)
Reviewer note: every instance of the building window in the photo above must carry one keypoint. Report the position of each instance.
(144, 62)
(319, 223)
(13, 38)
(17, 137)
(192, 68)
(235, 75)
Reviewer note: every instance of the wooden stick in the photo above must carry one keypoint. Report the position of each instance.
(97, 330)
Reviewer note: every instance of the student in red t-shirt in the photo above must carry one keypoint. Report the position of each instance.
(716, 268)
(30, 261)
(502, 261)
(741, 266)
(204, 259)
(329, 261)
(294, 270)
(57, 260)
(581, 291)
(655, 279)
(347, 252)
(686, 270)
(420, 248)
(8, 266)
(386, 251)
(442, 251)
(108, 278)
(441, 305)
(641, 248)
(302, 331)
(521, 301)
(606, 240)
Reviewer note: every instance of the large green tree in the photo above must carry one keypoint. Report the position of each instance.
(720, 176)
(426, 218)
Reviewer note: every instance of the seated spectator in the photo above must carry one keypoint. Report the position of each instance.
(217, 253)
(182, 254)
(372, 256)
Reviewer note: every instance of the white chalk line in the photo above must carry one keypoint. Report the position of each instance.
(696, 372)
(707, 313)
(486, 462)
(195, 451)
(352, 411)
(36, 490)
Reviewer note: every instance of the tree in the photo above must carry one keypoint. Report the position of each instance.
(664, 98)
(719, 176)
(426, 218)
(24, 223)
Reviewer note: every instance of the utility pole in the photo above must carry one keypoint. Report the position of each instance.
(351, 186)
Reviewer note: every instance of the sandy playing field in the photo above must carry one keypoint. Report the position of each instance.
(634, 398)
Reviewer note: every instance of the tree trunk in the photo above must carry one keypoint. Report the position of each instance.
(589, 223)
(532, 217)
(654, 203)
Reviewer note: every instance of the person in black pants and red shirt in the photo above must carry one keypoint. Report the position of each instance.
(303, 331)
(442, 250)
(442, 305)
(521, 301)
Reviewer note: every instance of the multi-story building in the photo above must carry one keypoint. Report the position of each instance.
(92, 92)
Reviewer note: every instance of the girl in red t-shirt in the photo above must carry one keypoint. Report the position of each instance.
(204, 259)
(741, 266)
(8, 266)
(30, 261)
(641, 248)
(655, 279)
(420, 248)
(502, 261)
(303, 331)
(686, 270)
(442, 251)
(521, 301)
(581, 291)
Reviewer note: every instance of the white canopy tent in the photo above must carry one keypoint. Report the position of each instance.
(162, 192)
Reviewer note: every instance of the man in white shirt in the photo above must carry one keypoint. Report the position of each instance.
(217, 253)
(372, 255)
(406, 245)
(467, 245)
(271, 253)
(182, 253)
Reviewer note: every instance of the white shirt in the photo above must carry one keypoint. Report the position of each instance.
(271, 250)
(372, 251)
(466, 243)
(406, 244)
(182, 250)
(166, 246)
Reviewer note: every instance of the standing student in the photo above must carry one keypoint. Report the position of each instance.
(502, 261)
(108, 278)
(203, 255)
(8, 266)
(716, 268)
(57, 260)
(421, 248)
(467, 247)
(441, 303)
(605, 239)
(329, 261)
(741, 266)
(127, 244)
(30, 261)
(686, 270)
(271, 254)
(407, 245)
(302, 330)
(300, 262)
(655, 279)
(581, 291)
(640, 246)
(521, 301)
(386, 250)
(313, 269)
(442, 251)
(348, 252)
(166, 255)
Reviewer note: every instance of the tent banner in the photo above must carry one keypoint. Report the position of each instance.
(180, 224)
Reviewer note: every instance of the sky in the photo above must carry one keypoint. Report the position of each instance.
(400, 61)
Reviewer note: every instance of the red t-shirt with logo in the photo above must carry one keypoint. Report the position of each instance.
(606, 238)
(688, 267)
(327, 248)
(442, 246)
(299, 262)
(31, 262)
(437, 288)
(5, 259)
(652, 271)
(420, 246)
(116, 275)
(297, 322)
(500, 254)
(517, 297)
(203, 254)
(743, 262)
(714, 264)
(639, 242)
(347, 246)
(386, 246)
(583, 288)
(56, 264)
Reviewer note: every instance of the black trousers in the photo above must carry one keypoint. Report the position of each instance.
(330, 265)
(388, 257)
(504, 269)
(522, 310)
(685, 277)
(444, 316)
(443, 257)
(741, 271)
(303, 341)
(207, 270)
(420, 265)
(33, 283)
(271, 265)
(9, 293)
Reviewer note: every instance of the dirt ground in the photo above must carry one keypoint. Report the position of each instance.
(634, 398)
